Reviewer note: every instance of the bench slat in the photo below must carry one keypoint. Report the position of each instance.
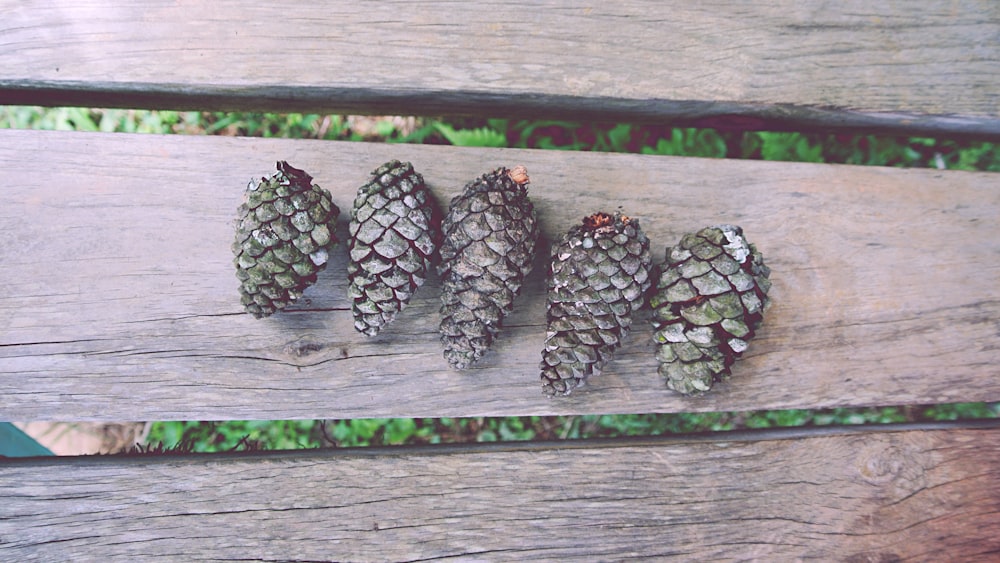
(918, 67)
(119, 296)
(866, 494)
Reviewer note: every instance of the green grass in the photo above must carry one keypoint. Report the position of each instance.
(914, 152)
(553, 135)
(298, 434)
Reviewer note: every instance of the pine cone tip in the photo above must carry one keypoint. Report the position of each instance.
(519, 174)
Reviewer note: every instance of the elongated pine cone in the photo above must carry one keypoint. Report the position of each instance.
(284, 233)
(597, 279)
(490, 234)
(709, 300)
(391, 245)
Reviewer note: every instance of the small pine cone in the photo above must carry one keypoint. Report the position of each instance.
(598, 277)
(284, 234)
(490, 234)
(709, 300)
(391, 244)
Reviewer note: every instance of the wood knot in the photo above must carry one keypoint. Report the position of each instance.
(892, 467)
(302, 347)
(880, 466)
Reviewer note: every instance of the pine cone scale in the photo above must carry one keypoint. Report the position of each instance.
(391, 244)
(597, 278)
(283, 234)
(709, 300)
(490, 234)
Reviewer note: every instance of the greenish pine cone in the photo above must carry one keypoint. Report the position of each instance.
(490, 234)
(284, 234)
(391, 244)
(709, 301)
(597, 279)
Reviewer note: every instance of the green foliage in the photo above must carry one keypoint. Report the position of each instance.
(610, 426)
(548, 135)
(292, 125)
(870, 150)
(963, 411)
(375, 431)
(782, 146)
(689, 142)
(228, 436)
(481, 137)
(299, 434)
(915, 152)
(81, 119)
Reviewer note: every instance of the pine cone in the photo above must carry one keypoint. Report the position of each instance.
(490, 234)
(598, 278)
(284, 234)
(391, 244)
(709, 300)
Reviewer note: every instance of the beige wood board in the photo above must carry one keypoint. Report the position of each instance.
(854, 64)
(847, 495)
(120, 301)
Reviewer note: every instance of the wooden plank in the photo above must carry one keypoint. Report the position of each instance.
(846, 495)
(119, 299)
(916, 67)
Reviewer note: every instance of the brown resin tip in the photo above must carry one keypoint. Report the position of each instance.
(519, 174)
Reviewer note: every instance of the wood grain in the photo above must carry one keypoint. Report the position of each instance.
(119, 301)
(916, 67)
(844, 495)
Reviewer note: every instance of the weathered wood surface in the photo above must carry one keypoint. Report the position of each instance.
(919, 67)
(830, 494)
(119, 296)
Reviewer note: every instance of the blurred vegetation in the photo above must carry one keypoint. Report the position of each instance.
(298, 434)
(199, 436)
(871, 150)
